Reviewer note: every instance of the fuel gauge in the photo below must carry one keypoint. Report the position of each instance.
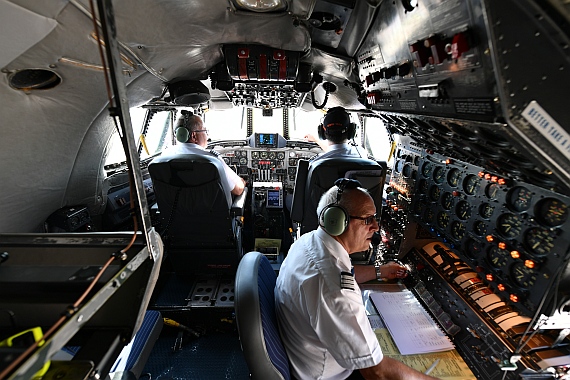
(442, 219)
(523, 276)
(509, 225)
(439, 174)
(427, 167)
(539, 240)
(486, 210)
(458, 230)
(463, 210)
(471, 184)
(447, 200)
(519, 198)
(492, 190)
(453, 177)
(552, 212)
(498, 257)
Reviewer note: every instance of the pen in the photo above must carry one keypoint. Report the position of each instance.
(428, 371)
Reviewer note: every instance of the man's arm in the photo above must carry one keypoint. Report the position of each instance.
(238, 187)
(391, 369)
(389, 271)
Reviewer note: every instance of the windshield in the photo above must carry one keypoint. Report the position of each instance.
(231, 124)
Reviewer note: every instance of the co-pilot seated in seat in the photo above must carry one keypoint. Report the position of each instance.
(193, 139)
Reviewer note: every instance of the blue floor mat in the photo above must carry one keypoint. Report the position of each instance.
(216, 355)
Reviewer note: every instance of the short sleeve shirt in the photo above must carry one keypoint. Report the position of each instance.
(190, 148)
(321, 315)
(341, 150)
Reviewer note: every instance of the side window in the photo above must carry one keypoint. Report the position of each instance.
(377, 139)
(157, 133)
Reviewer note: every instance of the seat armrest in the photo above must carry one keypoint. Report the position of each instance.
(239, 203)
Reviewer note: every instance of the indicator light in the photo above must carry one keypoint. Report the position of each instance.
(494, 178)
(502, 181)
(514, 298)
(490, 277)
(515, 254)
(502, 245)
(529, 264)
(481, 174)
(487, 176)
(501, 287)
(448, 161)
(489, 238)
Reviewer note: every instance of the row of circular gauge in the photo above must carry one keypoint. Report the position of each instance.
(241, 156)
(500, 259)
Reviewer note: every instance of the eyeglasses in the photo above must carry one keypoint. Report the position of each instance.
(367, 220)
(201, 130)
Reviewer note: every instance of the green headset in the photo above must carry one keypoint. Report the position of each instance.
(334, 218)
(181, 131)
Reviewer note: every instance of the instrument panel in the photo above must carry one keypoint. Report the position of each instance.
(269, 165)
(511, 232)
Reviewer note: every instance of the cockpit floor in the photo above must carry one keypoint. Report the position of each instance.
(215, 355)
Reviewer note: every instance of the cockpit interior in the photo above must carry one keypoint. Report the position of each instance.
(119, 262)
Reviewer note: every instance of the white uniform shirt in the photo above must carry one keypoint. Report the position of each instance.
(190, 148)
(340, 150)
(321, 315)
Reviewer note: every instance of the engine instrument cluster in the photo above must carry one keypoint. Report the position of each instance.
(511, 232)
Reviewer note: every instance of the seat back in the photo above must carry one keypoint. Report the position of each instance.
(195, 212)
(321, 176)
(256, 320)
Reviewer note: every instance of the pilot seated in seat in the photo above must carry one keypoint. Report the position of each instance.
(334, 133)
(192, 139)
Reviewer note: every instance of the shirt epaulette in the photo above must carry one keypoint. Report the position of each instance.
(217, 154)
(346, 280)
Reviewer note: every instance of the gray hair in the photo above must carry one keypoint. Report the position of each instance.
(194, 122)
(329, 197)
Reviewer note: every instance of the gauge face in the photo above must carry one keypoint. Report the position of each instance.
(243, 161)
(447, 200)
(428, 216)
(439, 174)
(486, 210)
(453, 177)
(463, 210)
(263, 155)
(423, 186)
(523, 276)
(442, 219)
(473, 248)
(492, 190)
(498, 257)
(407, 171)
(509, 225)
(419, 207)
(434, 193)
(471, 184)
(227, 160)
(539, 241)
(552, 212)
(272, 155)
(480, 228)
(292, 162)
(457, 230)
(519, 199)
(280, 155)
(427, 167)
(254, 154)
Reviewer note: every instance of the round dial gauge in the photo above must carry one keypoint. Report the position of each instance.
(427, 167)
(292, 154)
(263, 155)
(407, 171)
(272, 155)
(447, 200)
(254, 154)
(519, 198)
(471, 184)
(280, 155)
(243, 161)
(428, 216)
(399, 166)
(227, 160)
(552, 212)
(480, 228)
(463, 210)
(434, 193)
(473, 248)
(442, 219)
(523, 276)
(423, 186)
(457, 230)
(539, 241)
(453, 177)
(486, 210)
(492, 190)
(498, 257)
(439, 174)
(419, 207)
(509, 225)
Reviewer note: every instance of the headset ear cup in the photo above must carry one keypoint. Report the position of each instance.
(351, 132)
(321, 132)
(334, 220)
(182, 134)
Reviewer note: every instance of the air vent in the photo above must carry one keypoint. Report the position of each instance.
(34, 79)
